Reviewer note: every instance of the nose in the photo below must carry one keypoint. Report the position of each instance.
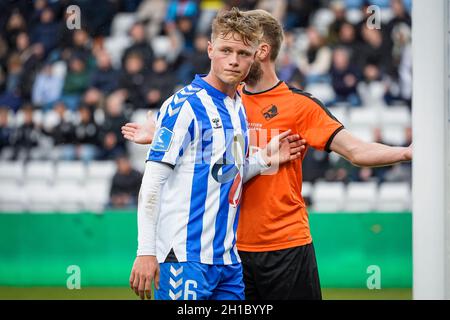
(233, 60)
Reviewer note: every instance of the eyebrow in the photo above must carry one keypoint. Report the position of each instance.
(239, 50)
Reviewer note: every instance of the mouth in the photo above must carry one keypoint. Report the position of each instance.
(233, 71)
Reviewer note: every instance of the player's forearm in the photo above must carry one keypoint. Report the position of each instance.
(255, 165)
(155, 175)
(377, 155)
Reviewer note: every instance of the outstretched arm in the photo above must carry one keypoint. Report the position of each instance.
(364, 154)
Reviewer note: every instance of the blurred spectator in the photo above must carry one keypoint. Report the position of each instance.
(298, 13)
(75, 83)
(26, 137)
(47, 88)
(195, 62)
(62, 132)
(316, 61)
(132, 80)
(104, 77)
(347, 38)
(339, 12)
(182, 15)
(374, 50)
(152, 14)
(45, 31)
(208, 10)
(86, 135)
(405, 70)
(98, 16)
(15, 25)
(314, 165)
(401, 16)
(372, 89)
(159, 84)
(241, 4)
(140, 45)
(344, 77)
(113, 142)
(125, 185)
(6, 130)
(276, 8)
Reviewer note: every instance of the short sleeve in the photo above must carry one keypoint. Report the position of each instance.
(315, 123)
(174, 132)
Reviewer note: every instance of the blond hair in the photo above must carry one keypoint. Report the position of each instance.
(234, 21)
(272, 30)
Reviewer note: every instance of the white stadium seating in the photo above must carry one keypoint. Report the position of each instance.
(361, 196)
(328, 196)
(394, 197)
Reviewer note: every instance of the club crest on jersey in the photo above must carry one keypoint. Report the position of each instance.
(270, 112)
(217, 124)
(163, 140)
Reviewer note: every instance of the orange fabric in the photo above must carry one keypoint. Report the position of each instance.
(273, 213)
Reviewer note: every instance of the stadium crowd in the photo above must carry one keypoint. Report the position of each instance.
(64, 94)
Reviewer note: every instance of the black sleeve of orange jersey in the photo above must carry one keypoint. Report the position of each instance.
(315, 123)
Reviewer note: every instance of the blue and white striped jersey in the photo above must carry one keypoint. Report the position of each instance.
(202, 133)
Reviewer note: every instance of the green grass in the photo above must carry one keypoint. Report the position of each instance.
(121, 293)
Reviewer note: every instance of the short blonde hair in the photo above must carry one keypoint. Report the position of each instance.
(272, 30)
(235, 21)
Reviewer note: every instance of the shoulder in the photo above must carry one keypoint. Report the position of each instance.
(183, 99)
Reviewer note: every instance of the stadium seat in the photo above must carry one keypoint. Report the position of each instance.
(322, 19)
(11, 171)
(339, 113)
(307, 189)
(115, 46)
(354, 16)
(97, 195)
(364, 116)
(122, 23)
(328, 196)
(364, 133)
(100, 171)
(70, 171)
(323, 91)
(43, 171)
(38, 116)
(394, 197)
(393, 135)
(396, 116)
(361, 196)
(386, 15)
(41, 198)
(12, 199)
(70, 198)
(161, 46)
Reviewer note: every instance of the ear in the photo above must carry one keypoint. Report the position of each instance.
(210, 49)
(263, 51)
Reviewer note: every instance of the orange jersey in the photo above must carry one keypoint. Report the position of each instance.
(273, 213)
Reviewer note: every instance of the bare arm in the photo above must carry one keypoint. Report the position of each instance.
(364, 154)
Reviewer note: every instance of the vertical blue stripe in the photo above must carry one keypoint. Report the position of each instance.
(199, 183)
(234, 259)
(244, 130)
(188, 138)
(222, 215)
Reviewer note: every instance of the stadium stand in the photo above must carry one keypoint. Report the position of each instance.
(61, 156)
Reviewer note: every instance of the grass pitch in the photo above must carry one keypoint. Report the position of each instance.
(123, 293)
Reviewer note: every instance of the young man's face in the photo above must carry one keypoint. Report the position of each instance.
(231, 59)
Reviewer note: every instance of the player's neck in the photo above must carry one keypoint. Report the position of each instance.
(228, 89)
(269, 79)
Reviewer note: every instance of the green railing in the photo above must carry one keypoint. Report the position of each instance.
(37, 249)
